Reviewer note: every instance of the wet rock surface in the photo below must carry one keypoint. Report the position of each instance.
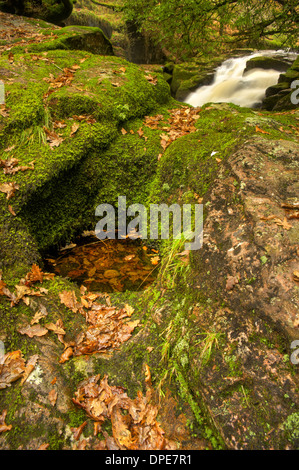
(248, 261)
(283, 96)
(264, 62)
(259, 237)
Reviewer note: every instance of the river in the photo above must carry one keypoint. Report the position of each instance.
(231, 84)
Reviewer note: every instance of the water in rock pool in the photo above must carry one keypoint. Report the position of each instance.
(107, 265)
(232, 85)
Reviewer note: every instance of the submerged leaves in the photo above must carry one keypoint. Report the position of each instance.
(114, 266)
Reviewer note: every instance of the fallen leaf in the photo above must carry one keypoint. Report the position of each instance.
(53, 397)
(55, 328)
(11, 369)
(283, 223)
(289, 205)
(3, 426)
(184, 256)
(231, 282)
(148, 379)
(41, 313)
(4, 111)
(68, 298)
(152, 79)
(35, 275)
(9, 189)
(78, 431)
(9, 149)
(59, 124)
(11, 210)
(43, 446)
(31, 331)
(74, 129)
(134, 422)
(155, 260)
(66, 355)
(75, 67)
(30, 366)
(129, 310)
(10, 166)
(257, 129)
(54, 139)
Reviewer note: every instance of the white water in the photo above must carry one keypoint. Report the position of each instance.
(231, 85)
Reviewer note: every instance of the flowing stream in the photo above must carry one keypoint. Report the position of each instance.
(232, 85)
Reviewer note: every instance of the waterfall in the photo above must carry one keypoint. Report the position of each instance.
(232, 85)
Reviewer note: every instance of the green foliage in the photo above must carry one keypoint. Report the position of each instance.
(188, 27)
(207, 345)
(172, 266)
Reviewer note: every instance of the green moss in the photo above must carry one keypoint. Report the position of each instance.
(76, 418)
(208, 429)
(291, 428)
(188, 167)
(76, 38)
(93, 174)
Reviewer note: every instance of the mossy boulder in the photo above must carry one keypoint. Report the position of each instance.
(279, 97)
(187, 77)
(82, 38)
(111, 93)
(85, 39)
(48, 10)
(228, 299)
(267, 63)
(84, 17)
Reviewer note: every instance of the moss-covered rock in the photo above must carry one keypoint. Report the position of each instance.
(84, 39)
(48, 10)
(267, 63)
(78, 169)
(187, 77)
(279, 97)
(80, 38)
